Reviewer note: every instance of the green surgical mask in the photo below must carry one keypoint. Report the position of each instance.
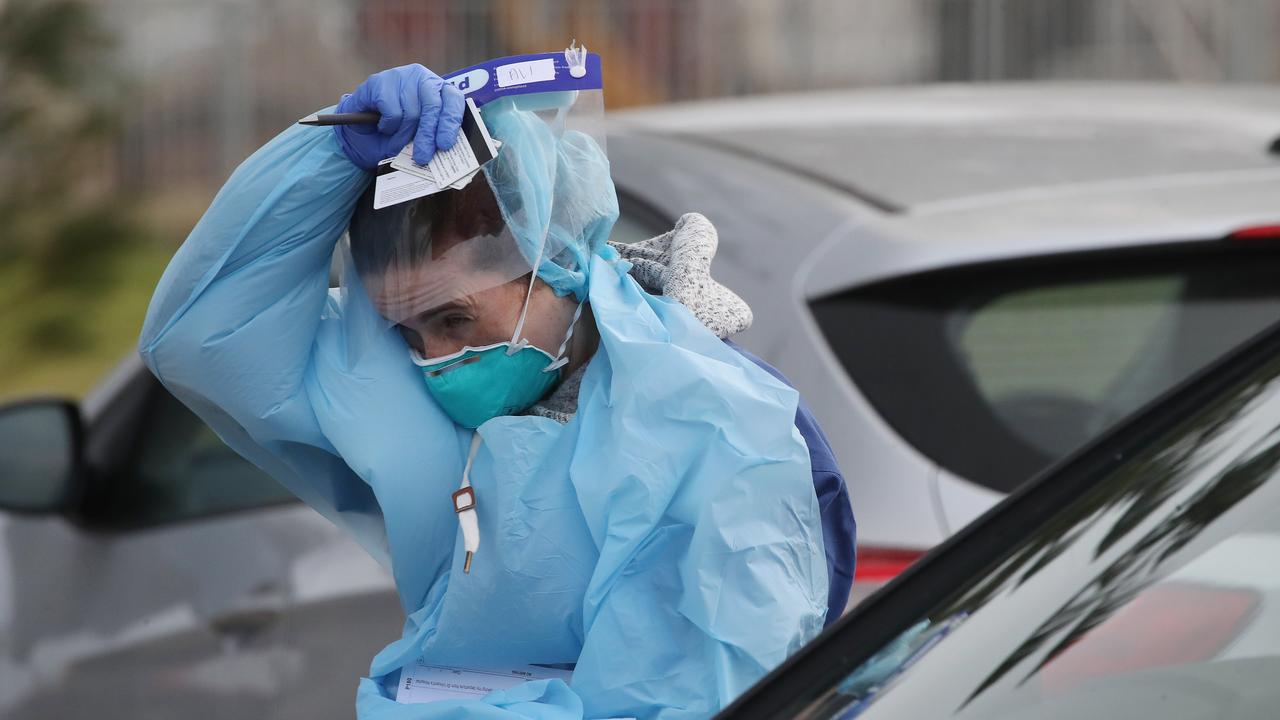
(477, 384)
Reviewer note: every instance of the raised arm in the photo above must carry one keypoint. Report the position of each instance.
(231, 327)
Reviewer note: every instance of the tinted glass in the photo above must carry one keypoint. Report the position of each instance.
(1156, 593)
(1059, 363)
(1033, 361)
(182, 470)
(37, 455)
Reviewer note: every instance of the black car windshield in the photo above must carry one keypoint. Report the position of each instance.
(1156, 593)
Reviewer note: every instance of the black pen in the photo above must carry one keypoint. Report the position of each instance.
(355, 118)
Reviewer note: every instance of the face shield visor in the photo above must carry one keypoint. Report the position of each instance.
(453, 269)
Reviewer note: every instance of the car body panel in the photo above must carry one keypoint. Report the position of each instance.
(911, 146)
(219, 616)
(750, 205)
(1137, 564)
(1031, 225)
(961, 501)
(1051, 595)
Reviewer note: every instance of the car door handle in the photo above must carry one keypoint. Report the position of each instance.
(251, 614)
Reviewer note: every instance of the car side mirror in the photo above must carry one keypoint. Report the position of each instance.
(41, 443)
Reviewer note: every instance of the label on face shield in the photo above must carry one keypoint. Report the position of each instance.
(401, 179)
(523, 73)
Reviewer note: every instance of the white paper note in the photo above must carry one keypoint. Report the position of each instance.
(523, 73)
(396, 187)
(446, 166)
(453, 168)
(421, 682)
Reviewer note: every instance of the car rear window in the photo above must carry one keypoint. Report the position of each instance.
(995, 371)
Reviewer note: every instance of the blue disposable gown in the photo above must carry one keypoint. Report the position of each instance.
(839, 529)
(667, 540)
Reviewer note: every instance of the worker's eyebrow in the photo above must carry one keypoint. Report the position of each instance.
(426, 315)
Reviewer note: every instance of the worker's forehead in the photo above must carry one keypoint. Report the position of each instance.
(404, 290)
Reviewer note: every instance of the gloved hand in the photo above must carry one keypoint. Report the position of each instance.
(416, 104)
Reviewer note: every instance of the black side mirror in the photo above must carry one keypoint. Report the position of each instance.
(41, 455)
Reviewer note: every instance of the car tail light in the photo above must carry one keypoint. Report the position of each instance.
(1167, 624)
(880, 564)
(1259, 232)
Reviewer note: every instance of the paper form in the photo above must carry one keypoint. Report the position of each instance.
(422, 682)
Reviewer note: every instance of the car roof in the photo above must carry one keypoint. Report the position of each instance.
(914, 149)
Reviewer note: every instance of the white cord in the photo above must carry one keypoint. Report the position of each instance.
(464, 504)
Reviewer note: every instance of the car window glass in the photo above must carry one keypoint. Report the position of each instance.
(1154, 594)
(182, 470)
(1061, 363)
(1033, 363)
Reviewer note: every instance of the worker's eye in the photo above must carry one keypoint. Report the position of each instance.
(412, 337)
(452, 325)
(455, 321)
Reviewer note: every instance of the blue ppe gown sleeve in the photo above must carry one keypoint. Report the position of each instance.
(839, 527)
(231, 326)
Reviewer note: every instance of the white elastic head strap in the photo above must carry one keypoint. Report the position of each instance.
(524, 311)
(560, 360)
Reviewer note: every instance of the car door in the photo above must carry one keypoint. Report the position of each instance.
(166, 592)
(1135, 579)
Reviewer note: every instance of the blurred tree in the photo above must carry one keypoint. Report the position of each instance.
(60, 224)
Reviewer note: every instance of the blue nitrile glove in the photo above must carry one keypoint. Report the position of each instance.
(416, 104)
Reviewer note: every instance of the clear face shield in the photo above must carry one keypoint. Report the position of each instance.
(462, 269)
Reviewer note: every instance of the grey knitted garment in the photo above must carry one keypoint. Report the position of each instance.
(676, 264)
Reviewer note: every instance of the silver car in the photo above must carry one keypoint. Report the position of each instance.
(966, 284)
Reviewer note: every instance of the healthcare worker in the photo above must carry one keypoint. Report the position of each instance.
(545, 439)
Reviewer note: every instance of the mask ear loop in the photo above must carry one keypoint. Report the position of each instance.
(560, 360)
(516, 343)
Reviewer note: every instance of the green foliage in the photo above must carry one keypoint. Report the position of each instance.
(55, 339)
(59, 99)
(69, 242)
(58, 42)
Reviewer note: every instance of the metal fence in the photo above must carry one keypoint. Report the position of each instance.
(213, 80)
